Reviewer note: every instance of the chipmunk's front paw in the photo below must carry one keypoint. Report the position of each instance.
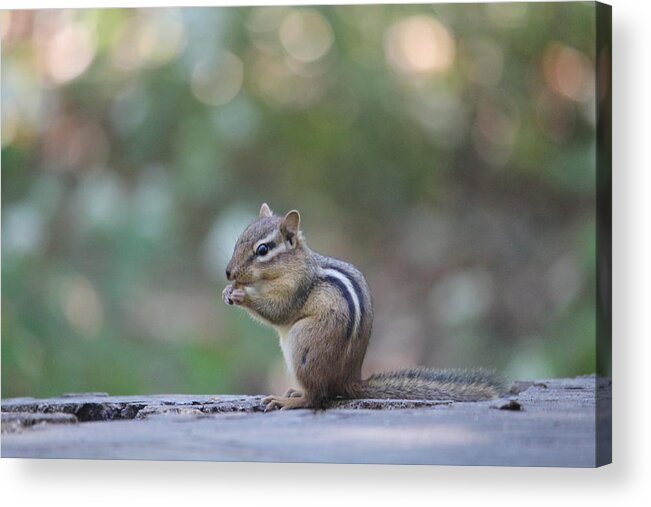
(233, 296)
(284, 403)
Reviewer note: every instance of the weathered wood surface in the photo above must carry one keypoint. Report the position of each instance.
(549, 423)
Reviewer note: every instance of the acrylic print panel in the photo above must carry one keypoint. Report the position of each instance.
(451, 162)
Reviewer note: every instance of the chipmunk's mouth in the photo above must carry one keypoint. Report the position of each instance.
(245, 283)
(251, 285)
(250, 281)
(243, 279)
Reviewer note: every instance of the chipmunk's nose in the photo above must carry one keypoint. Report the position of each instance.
(228, 274)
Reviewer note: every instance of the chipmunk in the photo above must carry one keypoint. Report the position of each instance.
(322, 309)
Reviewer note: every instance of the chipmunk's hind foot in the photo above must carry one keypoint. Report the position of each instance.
(285, 402)
(293, 393)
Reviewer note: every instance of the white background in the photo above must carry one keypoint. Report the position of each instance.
(626, 482)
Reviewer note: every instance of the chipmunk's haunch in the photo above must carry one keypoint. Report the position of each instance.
(321, 308)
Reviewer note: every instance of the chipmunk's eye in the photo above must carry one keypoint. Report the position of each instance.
(262, 250)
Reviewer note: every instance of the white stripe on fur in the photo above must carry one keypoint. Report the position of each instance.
(278, 249)
(266, 239)
(351, 290)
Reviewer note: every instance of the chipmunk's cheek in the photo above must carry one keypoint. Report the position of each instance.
(255, 274)
(256, 289)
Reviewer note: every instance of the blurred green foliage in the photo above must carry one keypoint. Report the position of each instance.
(447, 150)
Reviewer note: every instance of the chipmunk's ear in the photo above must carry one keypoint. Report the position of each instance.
(289, 227)
(265, 210)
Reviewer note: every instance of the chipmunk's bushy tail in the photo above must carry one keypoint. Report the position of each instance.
(429, 384)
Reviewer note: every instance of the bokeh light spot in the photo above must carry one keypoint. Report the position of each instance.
(306, 35)
(149, 40)
(83, 307)
(568, 72)
(69, 52)
(218, 83)
(419, 45)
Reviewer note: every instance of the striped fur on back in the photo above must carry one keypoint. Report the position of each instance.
(353, 288)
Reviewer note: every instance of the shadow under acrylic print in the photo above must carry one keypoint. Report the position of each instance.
(342, 234)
